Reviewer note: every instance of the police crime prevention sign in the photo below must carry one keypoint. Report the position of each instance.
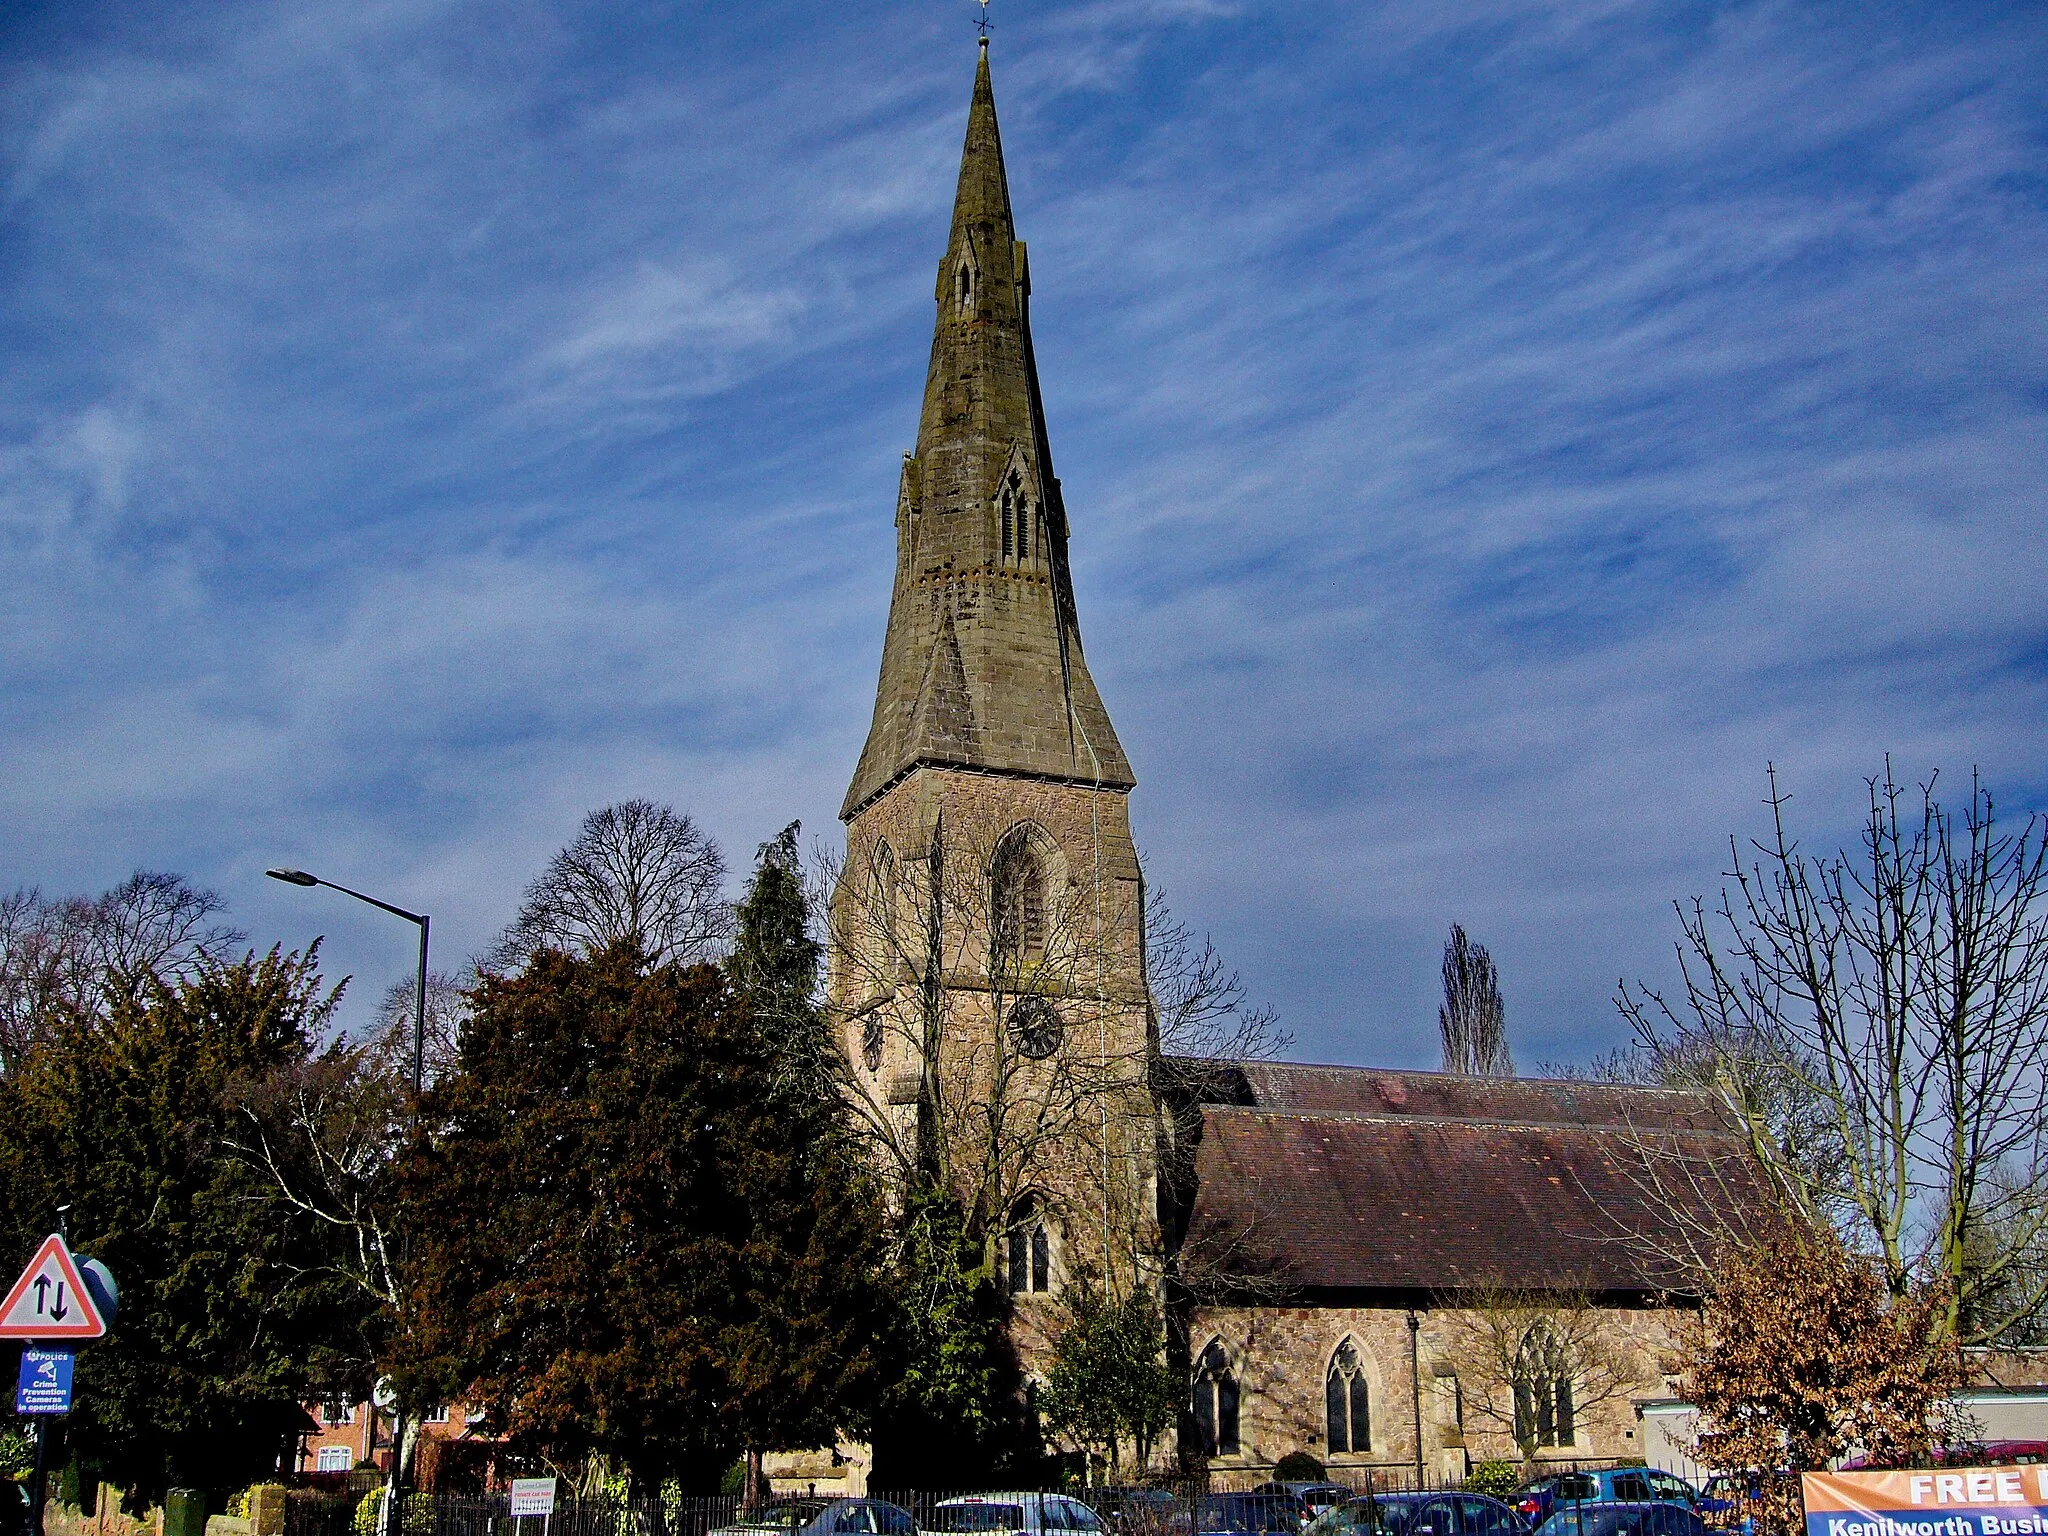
(45, 1382)
(1952, 1501)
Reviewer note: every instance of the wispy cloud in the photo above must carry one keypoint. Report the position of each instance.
(1492, 432)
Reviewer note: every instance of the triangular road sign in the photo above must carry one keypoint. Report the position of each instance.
(50, 1300)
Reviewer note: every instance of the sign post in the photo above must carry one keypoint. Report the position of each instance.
(54, 1302)
(534, 1496)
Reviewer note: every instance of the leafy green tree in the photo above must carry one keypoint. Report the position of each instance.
(957, 1409)
(1109, 1380)
(631, 1238)
(230, 1317)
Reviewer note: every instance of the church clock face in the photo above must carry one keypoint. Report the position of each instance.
(1036, 1028)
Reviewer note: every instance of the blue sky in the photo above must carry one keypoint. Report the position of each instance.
(1491, 433)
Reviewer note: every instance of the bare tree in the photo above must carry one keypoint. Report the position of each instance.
(1473, 1019)
(1533, 1365)
(72, 954)
(637, 871)
(1877, 1024)
(1198, 1000)
(447, 1009)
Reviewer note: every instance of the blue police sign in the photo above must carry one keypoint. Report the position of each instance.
(45, 1385)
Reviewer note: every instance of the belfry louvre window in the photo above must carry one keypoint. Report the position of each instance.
(1215, 1405)
(1019, 890)
(1030, 1251)
(1015, 518)
(1544, 1412)
(1346, 1402)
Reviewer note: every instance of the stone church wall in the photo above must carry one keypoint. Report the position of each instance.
(1281, 1356)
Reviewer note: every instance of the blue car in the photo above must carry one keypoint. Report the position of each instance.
(1613, 1485)
(1664, 1517)
(1419, 1514)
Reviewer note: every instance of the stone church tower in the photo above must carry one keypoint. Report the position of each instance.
(988, 958)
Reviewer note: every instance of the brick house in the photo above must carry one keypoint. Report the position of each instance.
(348, 1435)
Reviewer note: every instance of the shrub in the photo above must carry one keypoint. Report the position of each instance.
(1298, 1467)
(369, 1515)
(1496, 1479)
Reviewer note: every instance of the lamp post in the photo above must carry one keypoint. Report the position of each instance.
(394, 1499)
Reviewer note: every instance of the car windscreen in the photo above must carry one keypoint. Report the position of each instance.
(1248, 1512)
(976, 1517)
(1366, 1517)
(791, 1516)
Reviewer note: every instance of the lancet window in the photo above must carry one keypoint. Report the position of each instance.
(1017, 890)
(1347, 1402)
(1544, 1413)
(1029, 1250)
(1215, 1405)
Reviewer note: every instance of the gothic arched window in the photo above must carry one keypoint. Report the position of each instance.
(1346, 1402)
(1543, 1390)
(1014, 517)
(882, 899)
(1215, 1405)
(1017, 891)
(1029, 1250)
(963, 288)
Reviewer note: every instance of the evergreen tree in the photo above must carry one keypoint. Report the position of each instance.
(957, 1409)
(774, 968)
(635, 1237)
(231, 1312)
(1109, 1381)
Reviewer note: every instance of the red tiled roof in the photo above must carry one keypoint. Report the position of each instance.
(1342, 1178)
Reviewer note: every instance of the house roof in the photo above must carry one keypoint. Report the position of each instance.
(1346, 1178)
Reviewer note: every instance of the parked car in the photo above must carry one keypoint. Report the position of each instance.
(1312, 1498)
(1976, 1453)
(1247, 1514)
(1419, 1514)
(1013, 1514)
(1135, 1511)
(1660, 1517)
(1639, 1485)
(825, 1517)
(1725, 1501)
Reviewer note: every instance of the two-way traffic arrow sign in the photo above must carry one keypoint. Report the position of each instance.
(50, 1300)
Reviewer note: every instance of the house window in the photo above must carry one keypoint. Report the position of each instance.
(337, 1414)
(333, 1458)
(1030, 1251)
(1215, 1405)
(438, 1414)
(1543, 1390)
(1346, 1405)
(1018, 881)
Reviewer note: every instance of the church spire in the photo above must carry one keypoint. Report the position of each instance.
(982, 664)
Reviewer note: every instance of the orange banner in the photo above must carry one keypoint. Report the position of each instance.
(1954, 1501)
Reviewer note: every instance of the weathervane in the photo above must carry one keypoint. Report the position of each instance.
(981, 26)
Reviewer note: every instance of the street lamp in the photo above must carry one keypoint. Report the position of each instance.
(419, 1063)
